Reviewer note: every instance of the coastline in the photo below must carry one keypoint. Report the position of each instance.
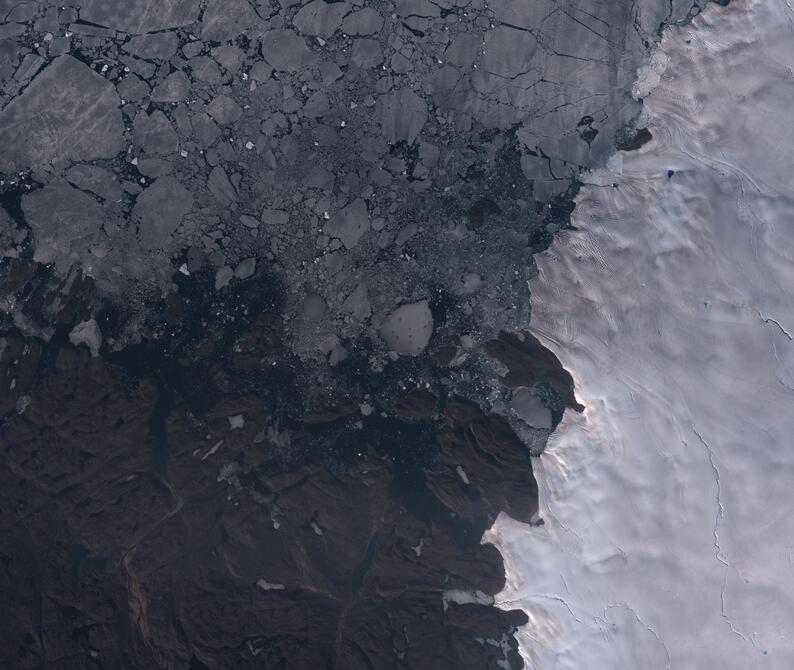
(659, 545)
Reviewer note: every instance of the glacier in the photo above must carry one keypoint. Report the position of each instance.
(668, 536)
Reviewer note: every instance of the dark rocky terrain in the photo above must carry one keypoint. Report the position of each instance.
(188, 502)
(262, 296)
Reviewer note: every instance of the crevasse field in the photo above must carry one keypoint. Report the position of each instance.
(668, 505)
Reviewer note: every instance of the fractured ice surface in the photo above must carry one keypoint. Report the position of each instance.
(408, 328)
(50, 122)
(140, 16)
(668, 539)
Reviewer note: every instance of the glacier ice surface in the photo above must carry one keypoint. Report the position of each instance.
(668, 539)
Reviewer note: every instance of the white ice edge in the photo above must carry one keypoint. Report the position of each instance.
(669, 530)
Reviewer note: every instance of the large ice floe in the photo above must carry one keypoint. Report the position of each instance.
(668, 534)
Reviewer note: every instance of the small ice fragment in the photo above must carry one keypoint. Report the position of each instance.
(267, 586)
(87, 333)
(461, 597)
(462, 474)
(212, 450)
(22, 404)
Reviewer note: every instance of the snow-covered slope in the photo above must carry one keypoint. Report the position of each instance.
(669, 505)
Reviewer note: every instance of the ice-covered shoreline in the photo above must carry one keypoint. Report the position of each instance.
(667, 542)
